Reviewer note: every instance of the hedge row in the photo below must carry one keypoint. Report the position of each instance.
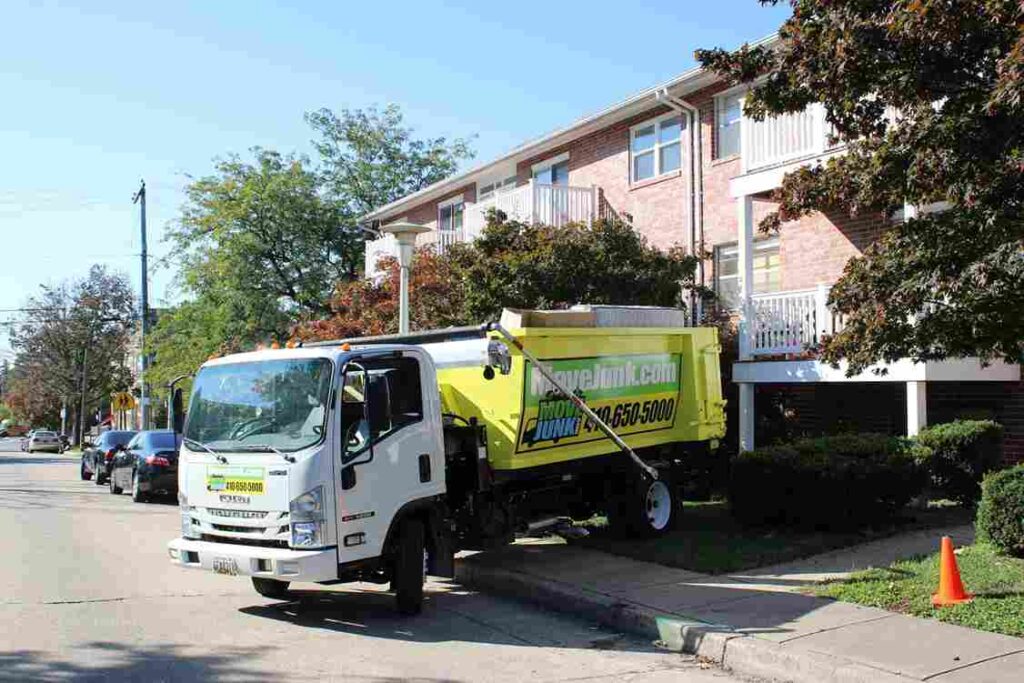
(826, 483)
(958, 454)
(1001, 512)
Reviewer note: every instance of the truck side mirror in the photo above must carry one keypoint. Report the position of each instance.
(498, 356)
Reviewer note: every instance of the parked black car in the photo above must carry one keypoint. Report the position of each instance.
(97, 457)
(147, 466)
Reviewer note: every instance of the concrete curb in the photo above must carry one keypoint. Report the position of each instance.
(740, 653)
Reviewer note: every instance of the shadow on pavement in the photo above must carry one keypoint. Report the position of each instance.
(34, 460)
(101, 661)
(447, 617)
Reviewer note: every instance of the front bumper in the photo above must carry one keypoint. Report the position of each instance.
(271, 563)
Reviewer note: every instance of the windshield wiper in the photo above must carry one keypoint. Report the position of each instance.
(191, 442)
(265, 447)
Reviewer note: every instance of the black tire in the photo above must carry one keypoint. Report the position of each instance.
(647, 509)
(114, 488)
(86, 476)
(100, 479)
(137, 495)
(271, 588)
(408, 572)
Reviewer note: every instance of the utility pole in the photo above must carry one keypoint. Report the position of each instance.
(81, 408)
(140, 199)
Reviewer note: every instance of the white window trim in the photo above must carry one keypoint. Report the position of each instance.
(759, 245)
(451, 201)
(548, 163)
(498, 186)
(656, 122)
(719, 100)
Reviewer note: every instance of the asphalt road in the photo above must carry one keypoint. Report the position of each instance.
(87, 593)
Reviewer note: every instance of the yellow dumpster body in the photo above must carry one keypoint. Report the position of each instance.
(654, 386)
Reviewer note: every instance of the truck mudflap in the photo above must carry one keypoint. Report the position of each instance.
(282, 564)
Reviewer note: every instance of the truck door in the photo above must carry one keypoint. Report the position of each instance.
(391, 447)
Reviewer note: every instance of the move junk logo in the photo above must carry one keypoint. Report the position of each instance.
(557, 418)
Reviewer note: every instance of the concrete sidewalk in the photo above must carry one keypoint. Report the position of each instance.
(760, 629)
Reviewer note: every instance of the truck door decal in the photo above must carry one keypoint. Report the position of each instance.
(633, 394)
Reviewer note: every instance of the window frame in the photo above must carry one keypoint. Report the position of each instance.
(451, 203)
(761, 244)
(547, 164)
(719, 104)
(655, 149)
(366, 365)
(493, 188)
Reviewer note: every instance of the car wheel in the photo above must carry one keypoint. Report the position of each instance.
(86, 475)
(100, 479)
(408, 572)
(137, 495)
(651, 508)
(271, 588)
(114, 488)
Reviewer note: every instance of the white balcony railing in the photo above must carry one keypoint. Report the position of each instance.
(536, 203)
(783, 139)
(531, 203)
(788, 322)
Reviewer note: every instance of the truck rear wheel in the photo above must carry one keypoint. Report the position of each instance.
(271, 588)
(650, 508)
(407, 573)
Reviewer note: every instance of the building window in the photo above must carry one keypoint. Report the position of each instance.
(656, 147)
(449, 223)
(767, 271)
(552, 171)
(728, 113)
(497, 187)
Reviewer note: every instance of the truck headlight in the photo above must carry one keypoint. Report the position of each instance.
(307, 534)
(306, 515)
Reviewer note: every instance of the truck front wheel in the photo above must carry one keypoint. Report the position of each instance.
(407, 573)
(271, 588)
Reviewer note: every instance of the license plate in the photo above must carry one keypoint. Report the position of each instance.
(225, 565)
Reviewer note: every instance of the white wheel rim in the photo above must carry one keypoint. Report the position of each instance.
(658, 505)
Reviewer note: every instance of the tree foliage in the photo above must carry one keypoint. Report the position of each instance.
(516, 265)
(928, 96)
(265, 242)
(75, 324)
(371, 158)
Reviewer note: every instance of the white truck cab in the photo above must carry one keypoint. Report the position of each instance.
(296, 464)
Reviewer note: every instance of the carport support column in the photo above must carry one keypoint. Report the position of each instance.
(745, 240)
(917, 407)
(746, 416)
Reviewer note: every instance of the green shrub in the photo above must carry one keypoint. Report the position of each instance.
(958, 454)
(1001, 512)
(833, 482)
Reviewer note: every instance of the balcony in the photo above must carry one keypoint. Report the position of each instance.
(788, 323)
(531, 203)
(784, 139)
(536, 203)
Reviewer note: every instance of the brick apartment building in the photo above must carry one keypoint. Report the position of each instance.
(683, 162)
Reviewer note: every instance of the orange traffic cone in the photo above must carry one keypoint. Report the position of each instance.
(951, 589)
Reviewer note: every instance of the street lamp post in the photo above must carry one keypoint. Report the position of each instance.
(405, 235)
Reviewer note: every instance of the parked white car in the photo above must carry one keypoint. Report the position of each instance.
(43, 441)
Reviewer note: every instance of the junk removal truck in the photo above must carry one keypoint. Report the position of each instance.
(377, 459)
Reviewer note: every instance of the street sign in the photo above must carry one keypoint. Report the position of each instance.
(122, 401)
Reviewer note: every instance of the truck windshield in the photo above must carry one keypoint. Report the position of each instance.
(278, 403)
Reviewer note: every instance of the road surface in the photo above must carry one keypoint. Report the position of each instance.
(87, 593)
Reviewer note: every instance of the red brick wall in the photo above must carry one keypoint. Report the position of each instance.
(659, 207)
(426, 214)
(999, 401)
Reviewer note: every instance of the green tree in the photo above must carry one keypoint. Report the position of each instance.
(518, 265)
(370, 158)
(73, 328)
(929, 95)
(514, 265)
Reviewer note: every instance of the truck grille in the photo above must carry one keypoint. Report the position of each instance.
(254, 527)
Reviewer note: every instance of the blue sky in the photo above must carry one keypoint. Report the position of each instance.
(96, 95)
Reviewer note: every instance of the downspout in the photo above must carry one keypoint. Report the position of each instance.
(696, 206)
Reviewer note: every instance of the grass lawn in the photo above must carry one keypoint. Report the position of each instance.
(997, 582)
(709, 540)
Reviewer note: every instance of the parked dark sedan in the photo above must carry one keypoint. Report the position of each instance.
(97, 457)
(148, 466)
